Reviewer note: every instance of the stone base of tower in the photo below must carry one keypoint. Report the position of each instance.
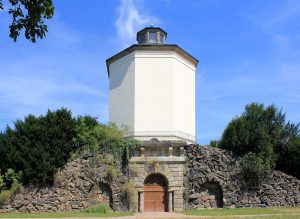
(157, 171)
(162, 136)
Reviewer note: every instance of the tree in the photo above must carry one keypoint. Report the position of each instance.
(38, 146)
(289, 158)
(30, 16)
(263, 131)
(214, 143)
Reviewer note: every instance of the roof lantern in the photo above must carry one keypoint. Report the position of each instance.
(151, 35)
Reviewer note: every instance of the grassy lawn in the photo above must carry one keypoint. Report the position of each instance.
(65, 215)
(253, 217)
(279, 213)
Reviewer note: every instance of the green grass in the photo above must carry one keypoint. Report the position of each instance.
(254, 217)
(255, 213)
(65, 215)
(281, 212)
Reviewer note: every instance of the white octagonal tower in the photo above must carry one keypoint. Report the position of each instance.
(152, 89)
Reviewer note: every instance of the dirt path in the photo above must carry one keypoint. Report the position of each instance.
(155, 215)
(145, 215)
(162, 215)
(158, 215)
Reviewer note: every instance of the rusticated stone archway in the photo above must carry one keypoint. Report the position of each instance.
(156, 193)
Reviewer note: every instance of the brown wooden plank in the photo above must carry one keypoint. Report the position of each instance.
(159, 201)
(149, 201)
(154, 199)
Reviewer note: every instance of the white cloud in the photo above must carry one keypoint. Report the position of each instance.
(34, 91)
(131, 19)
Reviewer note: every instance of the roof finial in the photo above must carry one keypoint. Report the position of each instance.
(151, 25)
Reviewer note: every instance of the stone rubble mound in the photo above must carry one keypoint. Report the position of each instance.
(214, 179)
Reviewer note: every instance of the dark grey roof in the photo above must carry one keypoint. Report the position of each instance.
(164, 47)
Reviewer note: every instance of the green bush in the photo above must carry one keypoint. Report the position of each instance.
(112, 173)
(5, 196)
(1, 181)
(100, 208)
(16, 187)
(255, 168)
(130, 196)
(214, 143)
(108, 141)
(9, 185)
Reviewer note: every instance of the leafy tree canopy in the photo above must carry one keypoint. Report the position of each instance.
(214, 143)
(38, 146)
(30, 16)
(262, 135)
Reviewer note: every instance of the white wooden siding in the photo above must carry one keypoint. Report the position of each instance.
(153, 93)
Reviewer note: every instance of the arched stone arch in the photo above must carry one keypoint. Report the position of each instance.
(166, 172)
(212, 179)
(208, 194)
(158, 178)
(101, 193)
(171, 168)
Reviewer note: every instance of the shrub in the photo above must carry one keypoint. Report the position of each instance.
(1, 181)
(214, 143)
(16, 187)
(100, 208)
(131, 198)
(59, 178)
(11, 183)
(5, 196)
(255, 168)
(112, 173)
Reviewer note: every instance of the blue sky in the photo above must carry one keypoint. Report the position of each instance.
(249, 51)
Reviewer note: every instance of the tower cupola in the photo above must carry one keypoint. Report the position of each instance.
(151, 35)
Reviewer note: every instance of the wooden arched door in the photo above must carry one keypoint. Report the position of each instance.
(155, 193)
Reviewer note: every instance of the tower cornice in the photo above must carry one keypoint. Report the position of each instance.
(151, 47)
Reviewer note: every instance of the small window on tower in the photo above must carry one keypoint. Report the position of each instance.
(161, 39)
(142, 39)
(152, 37)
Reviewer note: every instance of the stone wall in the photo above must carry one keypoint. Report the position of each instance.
(81, 183)
(214, 179)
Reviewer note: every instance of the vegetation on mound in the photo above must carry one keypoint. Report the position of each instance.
(100, 208)
(264, 140)
(37, 147)
(9, 185)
